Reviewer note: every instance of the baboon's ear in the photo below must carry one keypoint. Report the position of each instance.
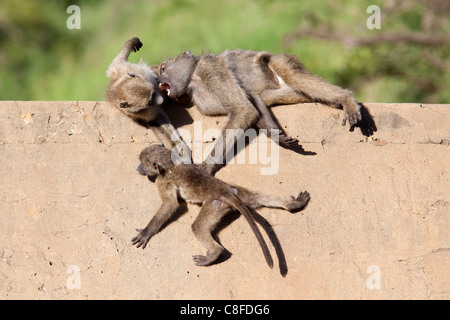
(160, 169)
(123, 104)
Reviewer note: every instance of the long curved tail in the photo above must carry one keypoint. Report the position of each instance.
(234, 201)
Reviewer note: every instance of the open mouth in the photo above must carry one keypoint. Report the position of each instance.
(165, 87)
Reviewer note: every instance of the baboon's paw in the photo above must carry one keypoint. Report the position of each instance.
(137, 44)
(300, 202)
(141, 239)
(352, 117)
(200, 260)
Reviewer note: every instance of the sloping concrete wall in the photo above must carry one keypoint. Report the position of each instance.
(377, 225)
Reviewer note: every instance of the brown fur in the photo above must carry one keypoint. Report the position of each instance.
(133, 89)
(216, 197)
(242, 83)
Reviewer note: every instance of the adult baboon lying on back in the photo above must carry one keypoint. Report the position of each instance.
(242, 83)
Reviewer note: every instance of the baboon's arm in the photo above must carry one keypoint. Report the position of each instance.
(168, 207)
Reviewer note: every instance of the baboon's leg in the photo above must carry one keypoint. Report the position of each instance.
(266, 121)
(283, 95)
(319, 90)
(257, 200)
(209, 216)
(240, 120)
(313, 88)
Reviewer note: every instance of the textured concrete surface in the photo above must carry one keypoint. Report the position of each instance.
(377, 225)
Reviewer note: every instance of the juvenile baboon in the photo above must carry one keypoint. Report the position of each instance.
(133, 89)
(217, 198)
(242, 83)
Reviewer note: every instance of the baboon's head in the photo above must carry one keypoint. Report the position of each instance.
(155, 161)
(136, 95)
(175, 74)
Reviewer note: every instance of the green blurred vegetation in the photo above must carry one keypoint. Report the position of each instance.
(41, 59)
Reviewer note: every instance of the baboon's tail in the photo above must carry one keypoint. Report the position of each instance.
(232, 200)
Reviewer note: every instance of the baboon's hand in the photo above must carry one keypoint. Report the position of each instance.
(299, 202)
(136, 44)
(352, 116)
(141, 239)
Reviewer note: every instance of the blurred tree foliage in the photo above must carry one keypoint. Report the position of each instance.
(41, 59)
(32, 37)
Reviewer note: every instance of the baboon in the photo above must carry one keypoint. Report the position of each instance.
(217, 198)
(243, 83)
(133, 89)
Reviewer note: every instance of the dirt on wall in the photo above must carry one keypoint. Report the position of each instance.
(377, 225)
